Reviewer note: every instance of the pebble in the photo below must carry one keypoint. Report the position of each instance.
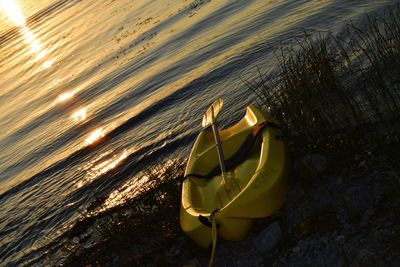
(311, 165)
(362, 164)
(364, 253)
(340, 238)
(115, 259)
(356, 191)
(87, 245)
(296, 249)
(192, 263)
(174, 251)
(268, 238)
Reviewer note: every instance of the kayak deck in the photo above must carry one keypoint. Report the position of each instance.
(256, 180)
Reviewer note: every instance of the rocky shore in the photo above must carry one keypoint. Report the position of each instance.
(336, 214)
(345, 216)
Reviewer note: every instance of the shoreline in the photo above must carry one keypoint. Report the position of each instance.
(338, 214)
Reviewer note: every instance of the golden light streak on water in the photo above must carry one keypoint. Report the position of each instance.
(79, 115)
(136, 185)
(29, 36)
(101, 165)
(95, 136)
(41, 54)
(13, 12)
(48, 63)
(65, 96)
(109, 164)
(95, 161)
(129, 190)
(36, 48)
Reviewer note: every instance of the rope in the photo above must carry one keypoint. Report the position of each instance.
(213, 237)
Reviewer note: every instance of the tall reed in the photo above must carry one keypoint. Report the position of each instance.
(342, 90)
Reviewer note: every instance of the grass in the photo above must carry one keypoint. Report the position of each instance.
(329, 92)
(334, 91)
(139, 228)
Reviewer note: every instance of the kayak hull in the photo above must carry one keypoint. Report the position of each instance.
(256, 185)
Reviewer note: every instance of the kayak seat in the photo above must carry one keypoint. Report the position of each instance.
(235, 149)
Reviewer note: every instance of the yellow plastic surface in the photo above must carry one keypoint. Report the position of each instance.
(256, 188)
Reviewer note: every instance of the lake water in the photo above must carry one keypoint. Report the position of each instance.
(93, 91)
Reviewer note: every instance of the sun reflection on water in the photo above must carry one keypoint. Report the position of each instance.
(14, 13)
(141, 182)
(79, 115)
(95, 136)
(101, 165)
(129, 190)
(65, 96)
(109, 164)
(48, 63)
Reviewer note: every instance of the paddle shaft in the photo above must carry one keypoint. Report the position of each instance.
(218, 145)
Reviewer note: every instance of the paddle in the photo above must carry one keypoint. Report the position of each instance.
(209, 118)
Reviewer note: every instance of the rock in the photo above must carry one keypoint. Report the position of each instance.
(360, 198)
(115, 259)
(362, 164)
(342, 215)
(192, 263)
(268, 238)
(362, 258)
(75, 240)
(84, 237)
(174, 251)
(296, 249)
(311, 165)
(251, 261)
(303, 245)
(366, 217)
(340, 238)
(86, 245)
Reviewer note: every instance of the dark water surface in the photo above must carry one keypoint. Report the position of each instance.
(92, 91)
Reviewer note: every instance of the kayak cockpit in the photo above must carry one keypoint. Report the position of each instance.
(254, 183)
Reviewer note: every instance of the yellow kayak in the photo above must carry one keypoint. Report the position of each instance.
(254, 185)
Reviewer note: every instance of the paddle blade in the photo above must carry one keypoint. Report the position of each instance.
(212, 111)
